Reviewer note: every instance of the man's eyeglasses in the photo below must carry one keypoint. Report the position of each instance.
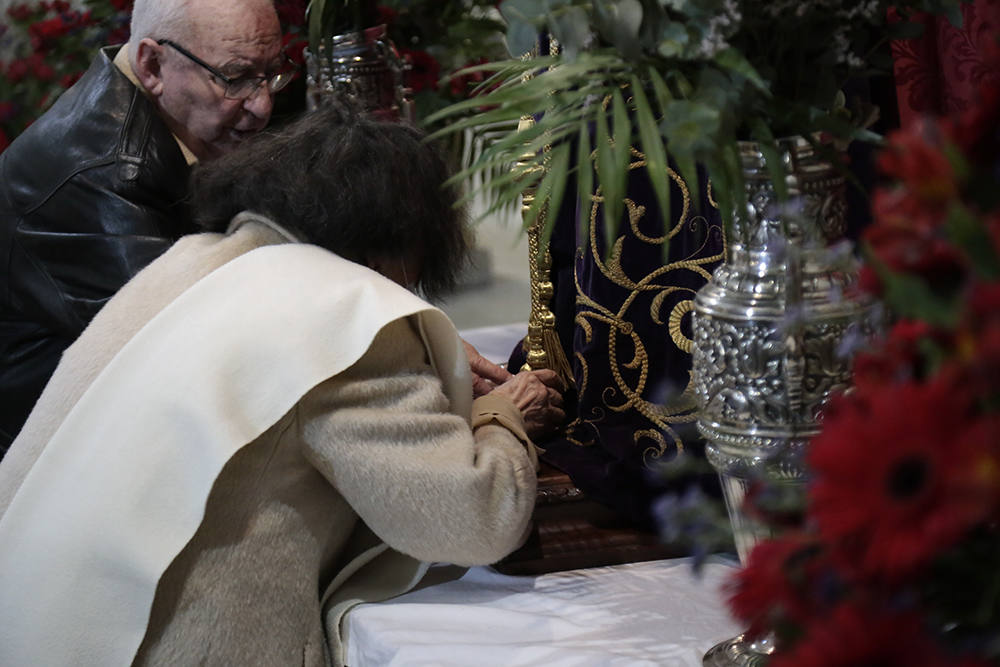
(241, 87)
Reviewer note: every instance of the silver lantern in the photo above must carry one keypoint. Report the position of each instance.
(362, 66)
(770, 329)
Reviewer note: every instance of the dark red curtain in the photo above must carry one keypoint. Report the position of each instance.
(940, 72)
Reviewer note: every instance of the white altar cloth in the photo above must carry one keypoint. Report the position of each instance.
(653, 613)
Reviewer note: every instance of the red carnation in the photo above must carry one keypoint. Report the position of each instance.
(122, 5)
(900, 475)
(854, 635)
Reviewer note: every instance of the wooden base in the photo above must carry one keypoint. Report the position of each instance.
(571, 531)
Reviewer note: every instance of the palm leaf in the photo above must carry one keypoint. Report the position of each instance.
(656, 156)
(558, 167)
(584, 170)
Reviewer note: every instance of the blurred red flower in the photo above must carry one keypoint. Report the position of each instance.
(912, 242)
(461, 85)
(291, 12)
(778, 583)
(49, 30)
(385, 15)
(900, 474)
(904, 487)
(20, 12)
(897, 359)
(43, 71)
(914, 157)
(68, 80)
(424, 72)
(856, 635)
(17, 70)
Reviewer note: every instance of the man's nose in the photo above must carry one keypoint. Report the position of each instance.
(260, 102)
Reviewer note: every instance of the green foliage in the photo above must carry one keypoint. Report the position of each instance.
(695, 76)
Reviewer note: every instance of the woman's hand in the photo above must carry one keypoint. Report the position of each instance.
(538, 395)
(485, 374)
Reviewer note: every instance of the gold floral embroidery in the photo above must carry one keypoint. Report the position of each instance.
(657, 418)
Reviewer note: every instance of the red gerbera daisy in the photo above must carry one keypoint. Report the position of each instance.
(900, 475)
(854, 636)
(785, 582)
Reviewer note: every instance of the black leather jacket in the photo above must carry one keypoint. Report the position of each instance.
(89, 194)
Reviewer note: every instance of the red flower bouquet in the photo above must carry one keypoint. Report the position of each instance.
(898, 559)
(47, 47)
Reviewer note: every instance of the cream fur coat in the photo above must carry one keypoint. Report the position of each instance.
(339, 501)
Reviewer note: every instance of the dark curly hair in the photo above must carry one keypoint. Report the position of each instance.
(347, 182)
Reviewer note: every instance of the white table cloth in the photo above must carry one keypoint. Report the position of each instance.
(654, 613)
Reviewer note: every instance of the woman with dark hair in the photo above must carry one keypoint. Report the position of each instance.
(369, 191)
(264, 427)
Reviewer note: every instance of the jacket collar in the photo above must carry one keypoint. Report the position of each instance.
(123, 64)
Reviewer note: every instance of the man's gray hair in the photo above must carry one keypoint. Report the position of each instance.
(157, 19)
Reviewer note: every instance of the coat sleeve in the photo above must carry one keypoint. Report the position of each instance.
(416, 474)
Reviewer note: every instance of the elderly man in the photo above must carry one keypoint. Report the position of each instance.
(95, 189)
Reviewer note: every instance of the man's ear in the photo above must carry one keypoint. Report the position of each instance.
(148, 66)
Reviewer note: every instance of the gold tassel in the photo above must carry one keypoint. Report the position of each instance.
(557, 356)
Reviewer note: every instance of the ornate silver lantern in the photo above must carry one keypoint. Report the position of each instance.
(769, 333)
(362, 66)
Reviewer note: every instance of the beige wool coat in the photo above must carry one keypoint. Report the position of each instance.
(339, 501)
